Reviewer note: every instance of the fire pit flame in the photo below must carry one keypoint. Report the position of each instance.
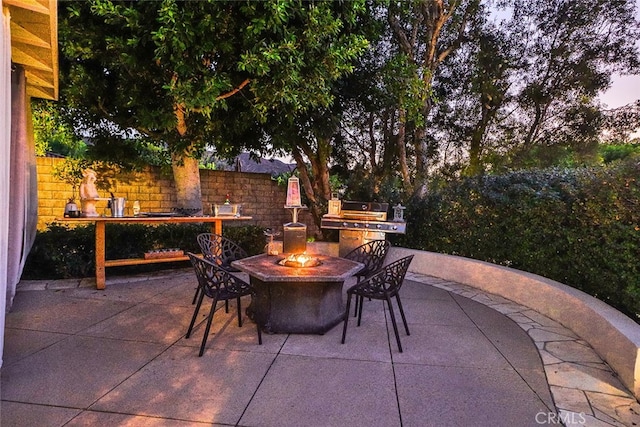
(300, 260)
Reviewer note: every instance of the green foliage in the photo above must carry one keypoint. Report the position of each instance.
(580, 227)
(222, 65)
(62, 252)
(52, 133)
(368, 187)
(59, 253)
(70, 172)
(251, 238)
(282, 179)
(612, 152)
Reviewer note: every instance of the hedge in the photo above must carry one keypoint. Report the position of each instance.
(579, 226)
(64, 252)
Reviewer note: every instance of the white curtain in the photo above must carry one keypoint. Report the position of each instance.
(18, 191)
(22, 222)
(5, 163)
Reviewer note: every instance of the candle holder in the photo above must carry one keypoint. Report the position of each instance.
(334, 205)
(398, 213)
(272, 248)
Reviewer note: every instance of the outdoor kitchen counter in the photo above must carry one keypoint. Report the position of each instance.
(297, 299)
(100, 253)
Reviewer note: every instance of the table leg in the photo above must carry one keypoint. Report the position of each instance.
(216, 227)
(100, 255)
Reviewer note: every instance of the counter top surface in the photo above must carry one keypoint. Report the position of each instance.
(159, 218)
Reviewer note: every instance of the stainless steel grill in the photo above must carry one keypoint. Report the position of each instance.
(361, 222)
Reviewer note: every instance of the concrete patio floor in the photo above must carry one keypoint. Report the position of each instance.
(77, 356)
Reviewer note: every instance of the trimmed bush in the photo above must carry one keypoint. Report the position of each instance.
(62, 252)
(579, 226)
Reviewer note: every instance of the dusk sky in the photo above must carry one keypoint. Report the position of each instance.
(625, 89)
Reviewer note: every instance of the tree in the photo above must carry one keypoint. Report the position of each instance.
(51, 133)
(571, 50)
(426, 32)
(178, 72)
(621, 123)
(310, 139)
(521, 89)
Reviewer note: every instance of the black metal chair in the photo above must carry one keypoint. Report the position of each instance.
(220, 250)
(383, 285)
(219, 285)
(372, 254)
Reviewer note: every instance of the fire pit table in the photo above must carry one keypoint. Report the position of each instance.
(294, 299)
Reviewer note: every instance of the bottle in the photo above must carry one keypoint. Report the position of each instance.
(136, 208)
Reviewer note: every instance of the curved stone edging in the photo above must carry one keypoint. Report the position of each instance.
(614, 336)
(585, 390)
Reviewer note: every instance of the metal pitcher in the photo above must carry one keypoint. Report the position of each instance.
(117, 206)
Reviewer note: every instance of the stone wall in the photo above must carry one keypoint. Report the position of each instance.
(259, 195)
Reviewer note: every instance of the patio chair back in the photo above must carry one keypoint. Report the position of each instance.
(216, 282)
(220, 250)
(219, 285)
(383, 285)
(372, 254)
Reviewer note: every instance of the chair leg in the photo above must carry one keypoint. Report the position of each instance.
(226, 306)
(259, 334)
(206, 330)
(393, 322)
(361, 298)
(404, 319)
(346, 317)
(195, 314)
(239, 312)
(195, 296)
(355, 306)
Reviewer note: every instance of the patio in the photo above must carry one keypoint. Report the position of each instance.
(75, 355)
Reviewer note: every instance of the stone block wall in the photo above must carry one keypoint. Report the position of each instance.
(259, 195)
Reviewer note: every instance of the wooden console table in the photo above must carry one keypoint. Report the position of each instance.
(102, 263)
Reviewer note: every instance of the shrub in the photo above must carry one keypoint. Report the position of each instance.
(57, 253)
(64, 252)
(580, 226)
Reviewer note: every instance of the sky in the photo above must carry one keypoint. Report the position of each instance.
(625, 90)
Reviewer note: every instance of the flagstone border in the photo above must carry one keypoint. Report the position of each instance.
(585, 390)
(614, 336)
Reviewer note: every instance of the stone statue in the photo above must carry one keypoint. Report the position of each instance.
(89, 193)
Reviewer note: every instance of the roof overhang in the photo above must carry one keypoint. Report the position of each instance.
(34, 44)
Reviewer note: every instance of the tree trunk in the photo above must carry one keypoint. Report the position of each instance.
(476, 145)
(186, 175)
(186, 171)
(318, 190)
(418, 38)
(402, 150)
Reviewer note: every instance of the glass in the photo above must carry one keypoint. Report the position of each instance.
(271, 248)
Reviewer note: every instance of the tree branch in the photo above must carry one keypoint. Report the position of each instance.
(234, 91)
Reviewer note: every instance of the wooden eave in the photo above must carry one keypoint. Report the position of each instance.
(34, 44)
